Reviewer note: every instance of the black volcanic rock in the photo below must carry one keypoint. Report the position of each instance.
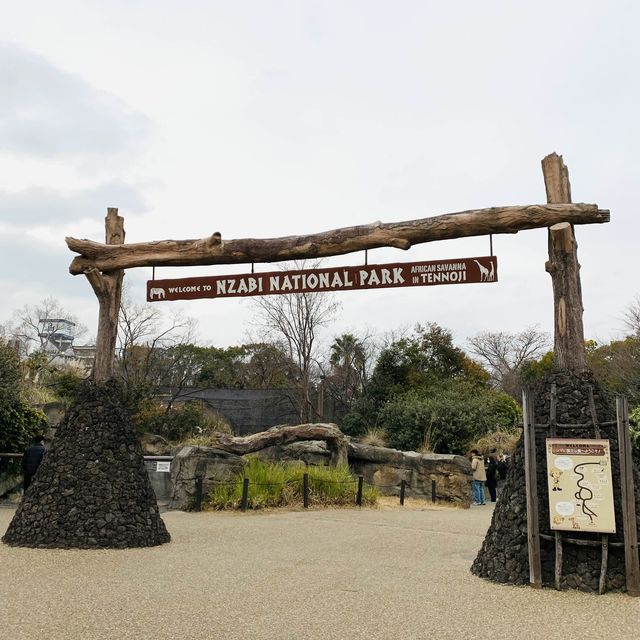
(504, 555)
(92, 489)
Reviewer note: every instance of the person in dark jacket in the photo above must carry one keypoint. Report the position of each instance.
(492, 477)
(31, 460)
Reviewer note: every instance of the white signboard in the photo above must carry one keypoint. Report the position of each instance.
(580, 488)
(163, 466)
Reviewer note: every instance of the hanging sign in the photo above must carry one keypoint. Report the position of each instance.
(373, 276)
(580, 488)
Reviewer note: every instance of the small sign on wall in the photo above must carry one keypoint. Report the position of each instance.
(163, 466)
(580, 488)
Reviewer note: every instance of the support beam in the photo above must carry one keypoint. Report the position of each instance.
(568, 347)
(108, 289)
(402, 235)
(531, 489)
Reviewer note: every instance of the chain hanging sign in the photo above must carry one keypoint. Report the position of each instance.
(373, 276)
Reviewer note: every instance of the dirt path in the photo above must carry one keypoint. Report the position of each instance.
(343, 574)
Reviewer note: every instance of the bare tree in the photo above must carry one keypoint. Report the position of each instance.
(632, 316)
(294, 319)
(503, 354)
(153, 351)
(29, 326)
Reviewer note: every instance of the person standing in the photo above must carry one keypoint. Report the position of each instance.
(31, 460)
(492, 477)
(479, 477)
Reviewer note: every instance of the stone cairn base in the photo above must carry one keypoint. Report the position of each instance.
(504, 553)
(92, 490)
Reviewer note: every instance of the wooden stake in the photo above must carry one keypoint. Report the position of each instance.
(108, 289)
(604, 563)
(568, 350)
(531, 482)
(630, 527)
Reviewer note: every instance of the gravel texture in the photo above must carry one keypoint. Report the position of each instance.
(379, 573)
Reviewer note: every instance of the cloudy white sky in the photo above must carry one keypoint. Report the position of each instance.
(269, 118)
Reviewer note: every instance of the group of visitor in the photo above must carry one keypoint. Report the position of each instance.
(489, 473)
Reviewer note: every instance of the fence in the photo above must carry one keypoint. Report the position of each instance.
(243, 505)
(244, 500)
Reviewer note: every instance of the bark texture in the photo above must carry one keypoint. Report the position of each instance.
(564, 268)
(108, 289)
(402, 235)
(335, 439)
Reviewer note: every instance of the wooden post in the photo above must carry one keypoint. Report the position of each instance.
(531, 481)
(568, 348)
(108, 289)
(630, 527)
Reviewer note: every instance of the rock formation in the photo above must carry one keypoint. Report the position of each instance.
(504, 553)
(92, 489)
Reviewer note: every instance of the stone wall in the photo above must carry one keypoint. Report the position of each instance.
(386, 468)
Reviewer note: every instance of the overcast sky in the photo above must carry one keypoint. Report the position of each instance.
(262, 119)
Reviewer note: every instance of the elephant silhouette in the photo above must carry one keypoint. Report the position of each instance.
(158, 292)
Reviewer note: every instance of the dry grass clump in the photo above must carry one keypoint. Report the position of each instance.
(375, 437)
(502, 440)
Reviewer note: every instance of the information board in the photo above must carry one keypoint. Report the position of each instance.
(580, 488)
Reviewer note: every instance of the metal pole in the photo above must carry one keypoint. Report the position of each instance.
(305, 490)
(433, 491)
(245, 494)
(359, 496)
(402, 486)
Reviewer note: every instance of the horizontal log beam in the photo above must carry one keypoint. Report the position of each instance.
(335, 439)
(402, 235)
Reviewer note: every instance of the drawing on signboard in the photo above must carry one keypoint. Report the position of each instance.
(579, 483)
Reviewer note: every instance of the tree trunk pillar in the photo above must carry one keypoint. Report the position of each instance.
(108, 289)
(564, 268)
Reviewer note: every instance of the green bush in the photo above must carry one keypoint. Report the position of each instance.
(280, 484)
(19, 424)
(452, 415)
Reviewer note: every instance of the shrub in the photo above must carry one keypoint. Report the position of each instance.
(280, 484)
(447, 418)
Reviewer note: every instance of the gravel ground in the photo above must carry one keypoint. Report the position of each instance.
(347, 574)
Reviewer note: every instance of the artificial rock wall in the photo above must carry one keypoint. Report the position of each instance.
(382, 467)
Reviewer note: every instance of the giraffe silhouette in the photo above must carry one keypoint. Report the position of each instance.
(484, 272)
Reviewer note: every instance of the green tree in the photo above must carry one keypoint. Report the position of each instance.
(19, 423)
(416, 362)
(9, 376)
(446, 417)
(349, 361)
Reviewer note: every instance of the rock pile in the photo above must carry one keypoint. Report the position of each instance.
(92, 489)
(504, 554)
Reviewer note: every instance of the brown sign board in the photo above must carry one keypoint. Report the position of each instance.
(372, 276)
